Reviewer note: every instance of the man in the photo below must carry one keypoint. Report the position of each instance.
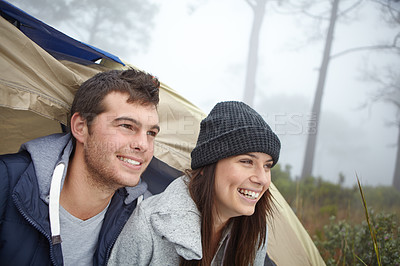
(65, 198)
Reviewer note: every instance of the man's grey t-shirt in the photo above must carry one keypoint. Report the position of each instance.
(79, 238)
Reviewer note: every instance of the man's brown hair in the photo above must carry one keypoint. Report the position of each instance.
(141, 87)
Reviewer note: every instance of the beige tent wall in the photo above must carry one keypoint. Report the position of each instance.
(36, 91)
(288, 241)
(17, 127)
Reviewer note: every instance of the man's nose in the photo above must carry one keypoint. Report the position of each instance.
(140, 142)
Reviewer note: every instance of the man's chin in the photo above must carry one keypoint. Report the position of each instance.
(132, 182)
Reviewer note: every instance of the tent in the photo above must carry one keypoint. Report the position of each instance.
(41, 68)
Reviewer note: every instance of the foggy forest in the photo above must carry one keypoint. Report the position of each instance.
(325, 74)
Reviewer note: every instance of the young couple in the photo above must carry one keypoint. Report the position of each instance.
(73, 198)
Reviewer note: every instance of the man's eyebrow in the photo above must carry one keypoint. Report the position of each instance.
(126, 118)
(156, 127)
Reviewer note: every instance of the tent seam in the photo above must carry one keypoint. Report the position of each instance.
(29, 90)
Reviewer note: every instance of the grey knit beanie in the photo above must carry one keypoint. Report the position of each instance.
(233, 128)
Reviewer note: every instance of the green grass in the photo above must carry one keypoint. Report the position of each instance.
(345, 229)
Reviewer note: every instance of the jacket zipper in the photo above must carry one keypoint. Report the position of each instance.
(112, 244)
(116, 235)
(37, 227)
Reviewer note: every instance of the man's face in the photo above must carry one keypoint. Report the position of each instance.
(120, 143)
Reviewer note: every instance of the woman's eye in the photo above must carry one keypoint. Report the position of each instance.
(268, 165)
(247, 161)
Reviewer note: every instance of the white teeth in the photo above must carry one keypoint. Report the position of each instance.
(249, 194)
(130, 161)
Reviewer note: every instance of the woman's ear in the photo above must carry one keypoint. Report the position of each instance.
(78, 127)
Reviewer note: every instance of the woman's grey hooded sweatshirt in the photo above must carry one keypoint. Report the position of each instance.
(165, 227)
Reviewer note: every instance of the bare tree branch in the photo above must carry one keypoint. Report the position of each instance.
(392, 101)
(392, 10)
(394, 17)
(350, 8)
(288, 9)
(299, 6)
(363, 48)
(314, 16)
(355, 5)
(396, 38)
(251, 4)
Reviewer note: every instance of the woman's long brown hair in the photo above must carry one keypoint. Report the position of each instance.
(248, 232)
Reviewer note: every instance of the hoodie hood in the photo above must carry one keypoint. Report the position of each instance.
(175, 217)
(46, 153)
(49, 151)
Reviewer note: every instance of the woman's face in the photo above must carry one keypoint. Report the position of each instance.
(240, 181)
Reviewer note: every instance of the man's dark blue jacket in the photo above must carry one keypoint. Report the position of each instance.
(25, 237)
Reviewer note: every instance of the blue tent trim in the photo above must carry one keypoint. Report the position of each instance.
(53, 41)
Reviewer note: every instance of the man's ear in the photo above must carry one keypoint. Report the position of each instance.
(78, 127)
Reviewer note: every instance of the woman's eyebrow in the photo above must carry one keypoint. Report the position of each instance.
(251, 155)
(256, 157)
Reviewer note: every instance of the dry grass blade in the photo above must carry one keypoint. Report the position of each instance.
(371, 229)
(360, 259)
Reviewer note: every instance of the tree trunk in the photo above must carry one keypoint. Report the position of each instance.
(316, 108)
(396, 176)
(250, 83)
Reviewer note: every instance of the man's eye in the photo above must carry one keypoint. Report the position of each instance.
(152, 133)
(126, 126)
(246, 161)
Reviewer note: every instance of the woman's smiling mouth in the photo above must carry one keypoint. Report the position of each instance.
(248, 193)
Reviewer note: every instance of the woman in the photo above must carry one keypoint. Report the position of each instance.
(215, 214)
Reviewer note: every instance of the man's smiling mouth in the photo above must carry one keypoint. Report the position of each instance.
(130, 161)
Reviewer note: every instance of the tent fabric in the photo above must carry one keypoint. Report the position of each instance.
(288, 240)
(31, 79)
(36, 91)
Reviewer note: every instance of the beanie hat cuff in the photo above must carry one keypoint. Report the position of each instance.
(233, 128)
(235, 142)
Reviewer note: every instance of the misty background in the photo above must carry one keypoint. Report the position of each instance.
(200, 49)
